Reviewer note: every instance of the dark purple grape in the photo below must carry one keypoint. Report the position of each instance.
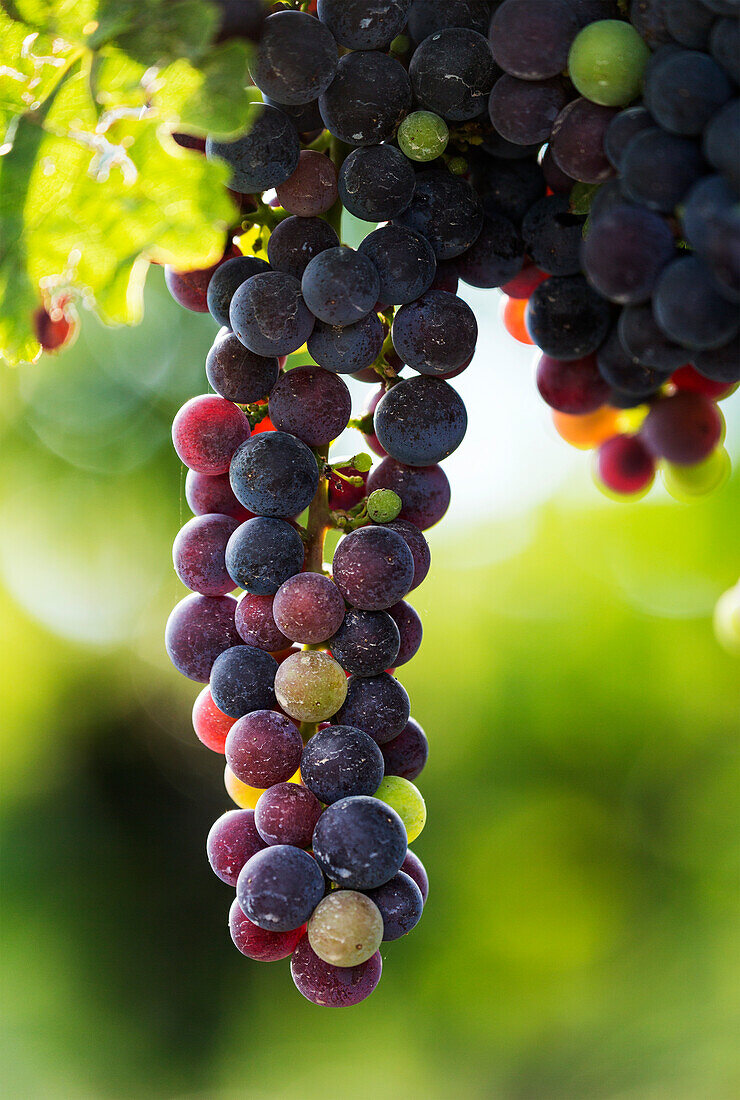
(658, 169)
(377, 705)
(418, 546)
(359, 842)
(722, 140)
(566, 318)
(198, 630)
(524, 111)
(553, 235)
(649, 19)
(400, 903)
(367, 99)
(308, 608)
(683, 428)
(452, 73)
(213, 493)
(508, 187)
(340, 761)
(333, 986)
(446, 210)
(296, 58)
(367, 642)
(421, 421)
(720, 364)
(373, 568)
(279, 887)
(424, 491)
(312, 404)
(625, 374)
(642, 340)
(264, 156)
(340, 286)
(532, 40)
(306, 117)
(240, 19)
(688, 308)
(359, 26)
(622, 128)
(428, 16)
(685, 91)
(414, 868)
(406, 755)
(404, 261)
(226, 279)
(256, 623)
(624, 253)
(347, 349)
(577, 141)
(410, 629)
(242, 680)
(555, 177)
(262, 553)
(268, 314)
(295, 241)
(263, 748)
(498, 147)
(724, 46)
(287, 814)
(572, 386)
(260, 944)
(237, 374)
(198, 554)
(376, 183)
(274, 474)
(589, 11)
(436, 333)
(496, 256)
(312, 189)
(232, 841)
(689, 23)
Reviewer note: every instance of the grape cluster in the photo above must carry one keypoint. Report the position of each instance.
(452, 131)
(632, 280)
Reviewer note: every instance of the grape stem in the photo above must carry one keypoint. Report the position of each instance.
(318, 518)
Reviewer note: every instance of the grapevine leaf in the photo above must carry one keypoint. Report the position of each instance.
(211, 99)
(31, 65)
(84, 205)
(68, 19)
(156, 32)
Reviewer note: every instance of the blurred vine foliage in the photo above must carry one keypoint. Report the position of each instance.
(92, 185)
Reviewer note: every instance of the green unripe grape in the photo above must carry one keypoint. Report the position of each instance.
(686, 483)
(310, 686)
(383, 505)
(458, 166)
(727, 620)
(406, 800)
(423, 136)
(607, 61)
(346, 928)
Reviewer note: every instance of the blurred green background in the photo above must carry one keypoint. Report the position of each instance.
(581, 935)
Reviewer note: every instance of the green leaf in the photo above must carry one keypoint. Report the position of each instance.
(86, 207)
(211, 99)
(156, 32)
(72, 20)
(31, 65)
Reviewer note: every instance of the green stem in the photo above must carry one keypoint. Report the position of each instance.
(337, 151)
(318, 520)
